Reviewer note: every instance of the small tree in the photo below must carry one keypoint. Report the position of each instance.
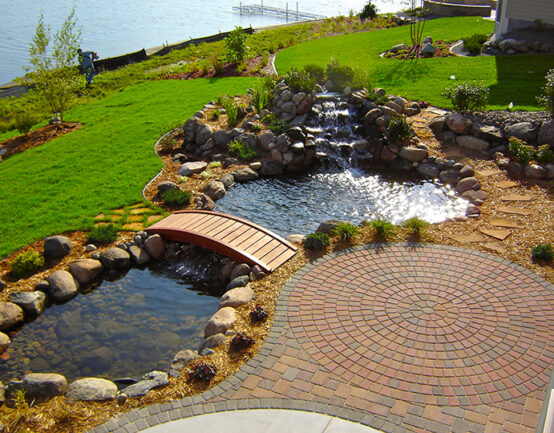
(417, 15)
(57, 78)
(369, 11)
(236, 45)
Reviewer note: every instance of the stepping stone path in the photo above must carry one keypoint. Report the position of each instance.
(504, 223)
(470, 238)
(514, 210)
(498, 234)
(505, 184)
(399, 338)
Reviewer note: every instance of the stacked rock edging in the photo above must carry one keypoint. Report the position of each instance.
(63, 285)
(491, 138)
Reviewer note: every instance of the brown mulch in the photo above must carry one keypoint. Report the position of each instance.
(37, 137)
(443, 50)
(57, 415)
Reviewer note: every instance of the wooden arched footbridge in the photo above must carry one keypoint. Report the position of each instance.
(228, 235)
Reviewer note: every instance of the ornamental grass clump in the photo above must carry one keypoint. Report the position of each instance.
(416, 225)
(103, 234)
(542, 252)
(467, 98)
(383, 229)
(176, 198)
(316, 241)
(241, 150)
(261, 95)
(203, 372)
(26, 264)
(231, 109)
(346, 231)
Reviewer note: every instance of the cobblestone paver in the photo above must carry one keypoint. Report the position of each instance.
(403, 339)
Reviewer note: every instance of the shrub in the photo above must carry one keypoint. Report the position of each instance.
(542, 252)
(261, 95)
(383, 228)
(522, 152)
(475, 42)
(216, 64)
(399, 130)
(24, 121)
(176, 197)
(299, 81)
(547, 98)
(241, 341)
(275, 125)
(339, 75)
(242, 150)
(236, 45)
(26, 264)
(361, 80)
(316, 72)
(214, 164)
(316, 241)
(231, 109)
(416, 225)
(167, 144)
(203, 372)
(346, 231)
(467, 98)
(258, 314)
(103, 234)
(544, 154)
(369, 11)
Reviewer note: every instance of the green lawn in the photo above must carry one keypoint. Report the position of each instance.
(59, 186)
(514, 79)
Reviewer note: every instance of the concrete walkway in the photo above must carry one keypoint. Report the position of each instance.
(400, 338)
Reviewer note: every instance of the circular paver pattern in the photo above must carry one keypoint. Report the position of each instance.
(436, 321)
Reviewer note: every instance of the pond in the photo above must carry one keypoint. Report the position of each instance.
(123, 328)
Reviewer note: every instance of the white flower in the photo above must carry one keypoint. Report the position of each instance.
(453, 77)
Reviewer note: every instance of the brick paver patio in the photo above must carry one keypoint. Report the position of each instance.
(401, 338)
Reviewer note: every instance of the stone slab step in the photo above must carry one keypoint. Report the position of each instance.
(470, 238)
(505, 184)
(497, 234)
(514, 210)
(517, 197)
(495, 248)
(488, 173)
(499, 222)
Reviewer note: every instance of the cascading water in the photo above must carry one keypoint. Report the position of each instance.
(340, 187)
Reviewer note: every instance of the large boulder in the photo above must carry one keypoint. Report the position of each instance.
(149, 381)
(467, 184)
(203, 134)
(220, 322)
(155, 246)
(237, 297)
(239, 270)
(271, 168)
(458, 123)
(203, 202)
(472, 143)
(182, 358)
(63, 286)
(328, 226)
(86, 270)
(211, 342)
(139, 255)
(228, 180)
(189, 129)
(535, 171)
(32, 303)
(40, 385)
(221, 139)
(115, 258)
(215, 190)
(56, 247)
(241, 281)
(265, 139)
(428, 50)
(414, 154)
(91, 389)
(546, 133)
(525, 131)
(245, 175)
(167, 185)
(189, 168)
(4, 342)
(428, 170)
(10, 315)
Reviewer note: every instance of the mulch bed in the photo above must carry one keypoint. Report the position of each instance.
(37, 137)
(443, 50)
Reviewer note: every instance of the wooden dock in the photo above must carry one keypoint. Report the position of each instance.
(287, 14)
(228, 235)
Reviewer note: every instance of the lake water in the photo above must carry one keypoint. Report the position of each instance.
(113, 27)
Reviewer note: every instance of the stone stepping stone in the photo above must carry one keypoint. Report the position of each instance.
(498, 222)
(140, 210)
(137, 205)
(101, 224)
(137, 227)
(497, 234)
(514, 210)
(505, 184)
(516, 197)
(153, 218)
(116, 217)
(488, 173)
(467, 239)
(495, 248)
(119, 211)
(100, 216)
(436, 111)
(134, 218)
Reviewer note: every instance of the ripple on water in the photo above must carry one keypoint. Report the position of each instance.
(299, 204)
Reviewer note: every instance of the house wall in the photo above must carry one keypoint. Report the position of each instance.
(513, 14)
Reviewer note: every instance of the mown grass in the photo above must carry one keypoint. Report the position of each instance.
(514, 79)
(63, 184)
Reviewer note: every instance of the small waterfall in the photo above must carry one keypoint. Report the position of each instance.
(333, 123)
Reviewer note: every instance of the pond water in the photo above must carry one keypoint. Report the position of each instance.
(298, 204)
(123, 328)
